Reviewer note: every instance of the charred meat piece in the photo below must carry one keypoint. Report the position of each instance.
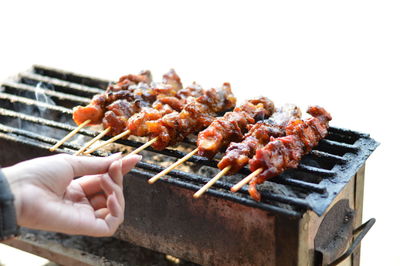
(286, 152)
(238, 154)
(135, 112)
(124, 108)
(163, 106)
(232, 126)
(115, 122)
(194, 90)
(118, 114)
(92, 112)
(218, 100)
(132, 88)
(173, 80)
(96, 109)
(126, 81)
(197, 114)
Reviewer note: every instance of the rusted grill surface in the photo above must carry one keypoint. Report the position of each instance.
(35, 109)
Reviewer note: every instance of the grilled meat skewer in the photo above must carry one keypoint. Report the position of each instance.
(164, 105)
(238, 154)
(286, 152)
(196, 115)
(123, 89)
(220, 130)
(138, 90)
(232, 125)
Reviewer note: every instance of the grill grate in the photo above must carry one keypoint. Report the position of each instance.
(312, 186)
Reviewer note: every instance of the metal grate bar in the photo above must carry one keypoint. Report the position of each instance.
(42, 121)
(315, 170)
(279, 198)
(60, 85)
(35, 136)
(28, 101)
(328, 156)
(299, 183)
(339, 145)
(71, 77)
(348, 133)
(59, 95)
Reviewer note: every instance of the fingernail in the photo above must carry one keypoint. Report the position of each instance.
(116, 155)
(134, 156)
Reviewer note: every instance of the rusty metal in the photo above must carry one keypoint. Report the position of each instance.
(362, 232)
(334, 233)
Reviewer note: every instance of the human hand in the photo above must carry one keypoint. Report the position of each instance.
(47, 197)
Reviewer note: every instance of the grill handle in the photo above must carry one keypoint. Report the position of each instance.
(362, 230)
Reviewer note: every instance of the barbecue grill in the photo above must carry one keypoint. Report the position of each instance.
(311, 215)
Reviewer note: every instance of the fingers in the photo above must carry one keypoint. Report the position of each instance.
(108, 219)
(90, 184)
(116, 215)
(110, 187)
(115, 172)
(114, 206)
(101, 213)
(111, 183)
(103, 175)
(98, 165)
(82, 165)
(98, 201)
(129, 161)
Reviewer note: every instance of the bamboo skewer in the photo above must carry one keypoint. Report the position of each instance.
(90, 143)
(211, 182)
(246, 180)
(172, 166)
(70, 135)
(117, 137)
(144, 146)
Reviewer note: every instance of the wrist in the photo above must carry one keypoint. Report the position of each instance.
(12, 180)
(8, 218)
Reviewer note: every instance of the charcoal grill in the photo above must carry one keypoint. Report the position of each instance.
(311, 215)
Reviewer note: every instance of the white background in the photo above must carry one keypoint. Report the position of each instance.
(343, 55)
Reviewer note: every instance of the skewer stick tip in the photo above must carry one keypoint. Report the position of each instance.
(70, 135)
(111, 140)
(92, 141)
(144, 146)
(172, 166)
(212, 181)
(246, 180)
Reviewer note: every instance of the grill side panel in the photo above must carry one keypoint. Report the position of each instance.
(211, 231)
(15, 150)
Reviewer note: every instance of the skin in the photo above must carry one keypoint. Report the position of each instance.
(48, 196)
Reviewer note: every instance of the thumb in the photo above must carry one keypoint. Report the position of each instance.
(90, 165)
(129, 161)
